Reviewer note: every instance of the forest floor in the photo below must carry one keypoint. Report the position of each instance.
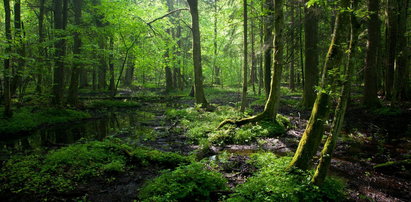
(370, 139)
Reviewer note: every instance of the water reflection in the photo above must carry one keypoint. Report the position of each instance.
(131, 125)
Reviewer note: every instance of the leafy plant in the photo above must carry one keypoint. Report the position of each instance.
(193, 182)
(273, 183)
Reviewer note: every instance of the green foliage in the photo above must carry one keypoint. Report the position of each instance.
(63, 169)
(146, 157)
(28, 118)
(200, 126)
(273, 183)
(112, 104)
(192, 182)
(60, 170)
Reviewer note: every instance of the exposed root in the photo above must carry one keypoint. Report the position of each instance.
(243, 121)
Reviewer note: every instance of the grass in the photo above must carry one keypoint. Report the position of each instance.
(29, 118)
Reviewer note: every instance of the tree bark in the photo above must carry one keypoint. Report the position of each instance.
(42, 49)
(371, 66)
(391, 41)
(198, 72)
(311, 56)
(20, 49)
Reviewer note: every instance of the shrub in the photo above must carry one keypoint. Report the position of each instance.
(146, 156)
(273, 183)
(187, 183)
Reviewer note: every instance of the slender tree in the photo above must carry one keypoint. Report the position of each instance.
(271, 105)
(245, 58)
(314, 131)
(329, 146)
(198, 72)
(7, 65)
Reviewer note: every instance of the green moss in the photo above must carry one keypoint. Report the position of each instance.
(112, 104)
(28, 118)
(200, 125)
(187, 183)
(273, 183)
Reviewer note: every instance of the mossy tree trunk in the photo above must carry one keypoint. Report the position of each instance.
(329, 146)
(198, 72)
(314, 131)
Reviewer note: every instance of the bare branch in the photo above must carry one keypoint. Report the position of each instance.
(169, 13)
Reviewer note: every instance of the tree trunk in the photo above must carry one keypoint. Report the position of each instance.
(75, 72)
(217, 80)
(371, 66)
(42, 50)
(314, 131)
(291, 52)
(20, 48)
(329, 146)
(401, 75)
(311, 56)
(268, 44)
(253, 73)
(198, 72)
(391, 41)
(7, 65)
(245, 59)
(60, 46)
(111, 66)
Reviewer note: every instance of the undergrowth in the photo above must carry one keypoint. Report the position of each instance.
(273, 183)
(62, 170)
(201, 126)
(28, 118)
(192, 182)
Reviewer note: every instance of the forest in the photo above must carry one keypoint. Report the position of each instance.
(205, 100)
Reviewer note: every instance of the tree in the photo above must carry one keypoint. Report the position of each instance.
(245, 57)
(75, 72)
(371, 67)
(271, 105)
(7, 65)
(198, 72)
(347, 72)
(311, 56)
(60, 20)
(314, 131)
(268, 43)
